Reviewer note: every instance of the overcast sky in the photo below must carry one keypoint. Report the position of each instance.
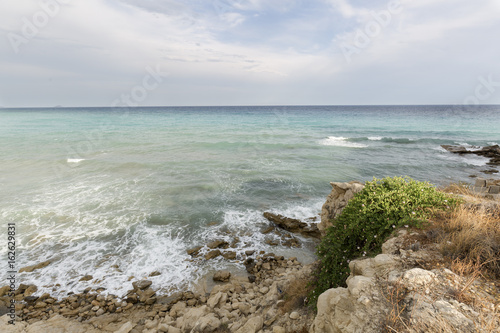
(248, 52)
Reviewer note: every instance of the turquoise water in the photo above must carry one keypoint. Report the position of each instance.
(124, 192)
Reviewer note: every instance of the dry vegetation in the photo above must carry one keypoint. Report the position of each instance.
(469, 239)
(395, 320)
(295, 296)
(471, 236)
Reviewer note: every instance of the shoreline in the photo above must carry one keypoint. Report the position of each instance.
(258, 289)
(269, 296)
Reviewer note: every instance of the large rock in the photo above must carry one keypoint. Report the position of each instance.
(217, 300)
(253, 325)
(222, 276)
(293, 225)
(491, 152)
(336, 202)
(30, 269)
(206, 324)
(383, 286)
(190, 319)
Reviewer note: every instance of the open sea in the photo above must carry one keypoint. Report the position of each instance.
(121, 193)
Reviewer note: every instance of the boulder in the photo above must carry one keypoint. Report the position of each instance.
(194, 251)
(253, 325)
(222, 276)
(213, 254)
(141, 284)
(293, 225)
(336, 201)
(191, 317)
(30, 269)
(87, 278)
(217, 300)
(206, 324)
(218, 244)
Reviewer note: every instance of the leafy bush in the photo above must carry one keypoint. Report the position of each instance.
(366, 222)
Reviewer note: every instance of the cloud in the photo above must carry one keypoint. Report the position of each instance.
(259, 51)
(347, 10)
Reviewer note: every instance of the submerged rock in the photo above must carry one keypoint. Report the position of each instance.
(222, 276)
(30, 269)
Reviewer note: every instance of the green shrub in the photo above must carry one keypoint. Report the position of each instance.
(366, 222)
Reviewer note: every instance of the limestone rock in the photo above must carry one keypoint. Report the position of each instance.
(336, 202)
(278, 329)
(253, 325)
(194, 251)
(217, 300)
(208, 323)
(30, 269)
(222, 276)
(417, 277)
(229, 255)
(141, 284)
(126, 328)
(212, 254)
(192, 316)
(218, 244)
(87, 278)
(293, 225)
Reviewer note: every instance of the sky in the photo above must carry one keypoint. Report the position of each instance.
(248, 52)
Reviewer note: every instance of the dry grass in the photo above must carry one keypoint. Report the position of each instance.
(396, 319)
(295, 295)
(459, 188)
(471, 238)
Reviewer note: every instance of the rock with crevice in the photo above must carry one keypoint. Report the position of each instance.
(336, 201)
(380, 287)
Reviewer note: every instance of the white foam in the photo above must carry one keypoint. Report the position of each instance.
(375, 138)
(75, 160)
(476, 160)
(340, 141)
(97, 226)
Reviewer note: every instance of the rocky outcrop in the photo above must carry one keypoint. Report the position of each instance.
(336, 202)
(238, 304)
(392, 293)
(488, 188)
(294, 225)
(491, 152)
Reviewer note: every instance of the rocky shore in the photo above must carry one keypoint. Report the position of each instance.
(260, 302)
(406, 288)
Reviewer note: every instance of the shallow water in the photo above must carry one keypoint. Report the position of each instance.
(124, 192)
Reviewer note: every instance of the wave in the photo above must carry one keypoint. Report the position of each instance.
(75, 160)
(385, 139)
(340, 141)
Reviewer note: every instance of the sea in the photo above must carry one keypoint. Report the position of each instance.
(121, 193)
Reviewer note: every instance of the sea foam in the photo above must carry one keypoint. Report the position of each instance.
(340, 141)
